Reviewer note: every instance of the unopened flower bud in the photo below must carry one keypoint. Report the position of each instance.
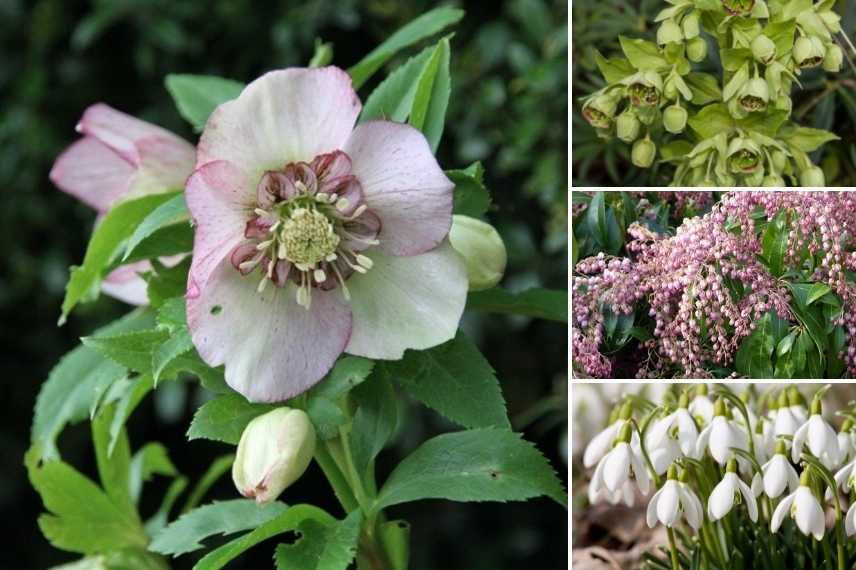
(763, 49)
(738, 7)
(812, 176)
(274, 451)
(690, 25)
(627, 126)
(808, 52)
(783, 103)
(669, 32)
(696, 49)
(643, 153)
(780, 159)
(833, 59)
(675, 118)
(600, 109)
(482, 249)
(773, 180)
(754, 96)
(831, 20)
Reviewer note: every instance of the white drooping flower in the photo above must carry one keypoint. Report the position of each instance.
(821, 439)
(701, 407)
(674, 499)
(671, 437)
(602, 442)
(728, 492)
(845, 478)
(778, 475)
(626, 494)
(787, 420)
(720, 436)
(804, 508)
(624, 462)
(850, 520)
(846, 442)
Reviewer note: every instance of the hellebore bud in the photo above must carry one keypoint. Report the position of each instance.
(696, 49)
(643, 153)
(808, 52)
(780, 159)
(690, 25)
(754, 96)
(738, 7)
(599, 110)
(627, 126)
(831, 20)
(482, 249)
(783, 103)
(669, 32)
(744, 156)
(644, 88)
(274, 451)
(773, 180)
(833, 59)
(675, 118)
(763, 49)
(812, 176)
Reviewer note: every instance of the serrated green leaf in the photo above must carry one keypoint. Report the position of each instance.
(424, 26)
(347, 374)
(215, 470)
(177, 344)
(152, 459)
(168, 213)
(453, 379)
(394, 98)
(128, 401)
(321, 547)
(224, 418)
(473, 465)
(196, 96)
(130, 349)
(113, 461)
(219, 518)
(374, 421)
(172, 314)
(471, 197)
(550, 304)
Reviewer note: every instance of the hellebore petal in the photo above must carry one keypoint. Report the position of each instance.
(92, 173)
(124, 283)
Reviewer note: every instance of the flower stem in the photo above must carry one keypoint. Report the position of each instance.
(673, 548)
(335, 476)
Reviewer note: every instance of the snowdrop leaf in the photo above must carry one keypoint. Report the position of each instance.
(224, 418)
(196, 96)
(473, 465)
(471, 197)
(550, 304)
(321, 546)
(219, 518)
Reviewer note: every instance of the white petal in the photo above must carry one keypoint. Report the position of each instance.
(658, 432)
(776, 476)
(600, 444)
(667, 507)
(640, 470)
(722, 498)
(799, 441)
(807, 512)
(687, 432)
(701, 442)
(749, 499)
(616, 468)
(651, 514)
(782, 510)
(757, 484)
(850, 520)
(692, 506)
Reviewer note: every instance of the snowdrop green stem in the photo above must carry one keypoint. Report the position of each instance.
(673, 549)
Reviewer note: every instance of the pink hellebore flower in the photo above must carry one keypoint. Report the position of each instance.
(315, 237)
(121, 158)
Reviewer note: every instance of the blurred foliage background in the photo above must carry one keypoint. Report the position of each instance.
(508, 109)
(826, 101)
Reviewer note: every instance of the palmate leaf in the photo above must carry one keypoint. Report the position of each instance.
(321, 547)
(224, 418)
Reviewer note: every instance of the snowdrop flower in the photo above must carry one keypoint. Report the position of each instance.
(720, 436)
(626, 494)
(728, 492)
(797, 404)
(778, 474)
(623, 463)
(845, 478)
(786, 422)
(701, 407)
(850, 520)
(671, 501)
(315, 237)
(804, 508)
(672, 436)
(820, 437)
(846, 448)
(121, 158)
(602, 442)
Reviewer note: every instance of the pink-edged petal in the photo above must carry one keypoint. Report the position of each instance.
(92, 173)
(121, 131)
(403, 184)
(289, 115)
(124, 283)
(406, 302)
(273, 348)
(220, 203)
(165, 164)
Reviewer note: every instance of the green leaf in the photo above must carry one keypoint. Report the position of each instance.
(785, 344)
(170, 212)
(473, 465)
(215, 470)
(765, 123)
(737, 81)
(704, 87)
(613, 69)
(550, 304)
(118, 224)
(323, 399)
(643, 55)
(114, 462)
(152, 459)
(224, 418)
(167, 241)
(196, 96)
(219, 518)
(432, 96)
(471, 196)
(711, 120)
(177, 344)
(130, 349)
(76, 383)
(286, 521)
(774, 246)
(128, 399)
(392, 100)
(424, 26)
(82, 517)
(596, 219)
(817, 291)
(321, 547)
(809, 140)
(753, 356)
(453, 379)
(166, 282)
(374, 421)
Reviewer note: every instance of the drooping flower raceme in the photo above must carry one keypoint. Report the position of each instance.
(314, 237)
(121, 158)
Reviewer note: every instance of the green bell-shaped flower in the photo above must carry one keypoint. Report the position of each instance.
(808, 52)
(675, 118)
(599, 110)
(812, 176)
(644, 88)
(738, 7)
(643, 152)
(669, 32)
(773, 180)
(696, 49)
(690, 25)
(763, 49)
(754, 96)
(628, 126)
(744, 155)
(833, 59)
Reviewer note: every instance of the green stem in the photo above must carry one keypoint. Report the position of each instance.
(673, 548)
(351, 472)
(334, 475)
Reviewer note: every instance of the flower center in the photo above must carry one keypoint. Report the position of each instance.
(307, 237)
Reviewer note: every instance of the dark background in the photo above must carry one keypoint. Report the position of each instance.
(508, 109)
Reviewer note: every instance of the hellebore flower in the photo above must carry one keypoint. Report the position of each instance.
(754, 96)
(808, 52)
(833, 59)
(674, 498)
(804, 508)
(744, 155)
(738, 7)
(274, 451)
(644, 88)
(778, 475)
(720, 436)
(696, 49)
(763, 49)
(627, 126)
(314, 237)
(675, 118)
(728, 492)
(622, 463)
(690, 25)
(600, 109)
(669, 32)
(643, 152)
(121, 158)
(820, 437)
(482, 249)
(812, 177)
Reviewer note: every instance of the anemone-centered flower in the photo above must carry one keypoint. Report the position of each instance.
(804, 508)
(671, 500)
(315, 238)
(728, 492)
(121, 158)
(778, 475)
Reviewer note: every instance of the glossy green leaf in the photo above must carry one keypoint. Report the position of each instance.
(196, 96)
(321, 547)
(170, 212)
(432, 96)
(224, 418)
(550, 304)
(471, 197)
(374, 421)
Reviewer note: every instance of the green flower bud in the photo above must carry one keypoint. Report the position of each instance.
(690, 25)
(643, 153)
(644, 88)
(482, 249)
(744, 156)
(773, 180)
(833, 59)
(783, 103)
(812, 176)
(808, 52)
(780, 159)
(696, 49)
(274, 451)
(600, 109)
(627, 126)
(670, 91)
(831, 20)
(669, 32)
(763, 49)
(755, 178)
(675, 118)
(754, 96)
(738, 7)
